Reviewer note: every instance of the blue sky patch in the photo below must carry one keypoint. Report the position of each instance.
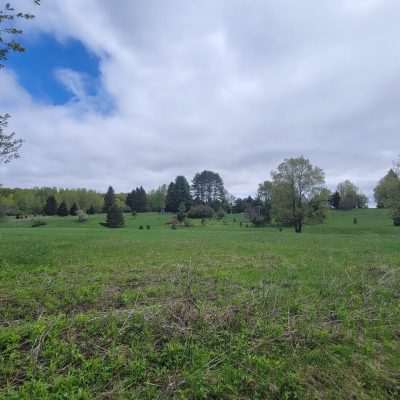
(36, 70)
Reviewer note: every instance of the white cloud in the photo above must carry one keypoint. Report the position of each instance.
(231, 86)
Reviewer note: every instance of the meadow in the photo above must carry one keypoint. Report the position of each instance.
(220, 311)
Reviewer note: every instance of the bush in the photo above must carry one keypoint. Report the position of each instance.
(82, 216)
(396, 217)
(220, 214)
(148, 227)
(141, 227)
(38, 222)
(200, 211)
(115, 217)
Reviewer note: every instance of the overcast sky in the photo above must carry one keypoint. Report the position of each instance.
(160, 88)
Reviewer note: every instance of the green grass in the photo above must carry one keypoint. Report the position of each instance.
(209, 312)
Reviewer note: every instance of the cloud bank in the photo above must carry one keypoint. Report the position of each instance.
(231, 86)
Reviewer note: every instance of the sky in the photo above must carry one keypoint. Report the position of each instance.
(129, 93)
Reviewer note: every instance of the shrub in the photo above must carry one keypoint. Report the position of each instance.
(141, 227)
(148, 227)
(173, 226)
(38, 222)
(220, 214)
(200, 211)
(396, 216)
(82, 216)
(181, 216)
(115, 217)
(187, 223)
(355, 221)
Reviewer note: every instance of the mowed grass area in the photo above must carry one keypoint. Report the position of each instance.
(209, 312)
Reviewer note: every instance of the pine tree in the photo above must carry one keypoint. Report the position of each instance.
(115, 217)
(51, 206)
(182, 192)
(74, 209)
(63, 210)
(109, 199)
(171, 204)
(91, 210)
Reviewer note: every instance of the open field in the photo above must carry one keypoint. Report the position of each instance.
(209, 312)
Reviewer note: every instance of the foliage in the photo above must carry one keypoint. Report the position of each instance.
(9, 146)
(115, 217)
(200, 211)
(74, 209)
(156, 199)
(350, 196)
(137, 200)
(51, 206)
(208, 187)
(396, 216)
(387, 191)
(220, 214)
(296, 190)
(181, 215)
(37, 222)
(63, 210)
(178, 192)
(109, 199)
(334, 200)
(82, 216)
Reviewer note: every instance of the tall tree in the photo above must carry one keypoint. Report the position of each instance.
(51, 206)
(296, 186)
(385, 191)
(171, 203)
(109, 199)
(182, 191)
(350, 196)
(208, 187)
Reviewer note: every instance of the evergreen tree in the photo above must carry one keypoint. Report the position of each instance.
(115, 217)
(74, 209)
(208, 187)
(171, 203)
(137, 200)
(91, 210)
(334, 200)
(109, 199)
(182, 192)
(141, 200)
(51, 206)
(63, 210)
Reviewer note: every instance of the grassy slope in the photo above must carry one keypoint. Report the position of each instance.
(206, 312)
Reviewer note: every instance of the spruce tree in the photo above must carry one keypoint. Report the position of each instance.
(51, 206)
(109, 199)
(171, 203)
(91, 210)
(74, 209)
(63, 210)
(115, 217)
(182, 192)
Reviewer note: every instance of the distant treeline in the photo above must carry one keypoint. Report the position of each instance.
(297, 192)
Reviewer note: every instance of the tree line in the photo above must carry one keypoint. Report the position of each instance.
(295, 195)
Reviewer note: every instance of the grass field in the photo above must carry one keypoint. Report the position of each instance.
(209, 312)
